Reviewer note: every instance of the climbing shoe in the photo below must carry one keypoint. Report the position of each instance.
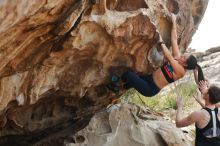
(114, 79)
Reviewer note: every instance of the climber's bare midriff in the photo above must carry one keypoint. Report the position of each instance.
(160, 80)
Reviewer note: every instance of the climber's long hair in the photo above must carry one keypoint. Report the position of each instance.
(192, 64)
(200, 74)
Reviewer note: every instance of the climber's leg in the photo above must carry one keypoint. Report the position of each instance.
(143, 84)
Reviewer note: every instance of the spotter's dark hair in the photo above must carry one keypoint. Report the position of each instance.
(214, 94)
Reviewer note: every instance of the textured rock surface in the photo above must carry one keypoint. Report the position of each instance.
(129, 125)
(56, 57)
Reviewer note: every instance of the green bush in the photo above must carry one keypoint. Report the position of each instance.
(162, 100)
(169, 102)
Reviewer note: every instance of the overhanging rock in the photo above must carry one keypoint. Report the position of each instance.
(56, 56)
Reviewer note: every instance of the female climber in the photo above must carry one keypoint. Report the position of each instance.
(173, 69)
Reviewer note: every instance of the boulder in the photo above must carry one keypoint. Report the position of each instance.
(126, 124)
(57, 56)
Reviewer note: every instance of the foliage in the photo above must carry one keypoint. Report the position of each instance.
(165, 99)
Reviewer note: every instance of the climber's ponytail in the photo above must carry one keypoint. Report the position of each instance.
(200, 74)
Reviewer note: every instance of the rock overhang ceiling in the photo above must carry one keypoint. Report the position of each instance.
(57, 56)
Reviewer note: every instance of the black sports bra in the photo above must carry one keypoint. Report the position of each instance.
(167, 71)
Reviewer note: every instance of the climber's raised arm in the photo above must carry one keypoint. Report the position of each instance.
(175, 48)
(177, 68)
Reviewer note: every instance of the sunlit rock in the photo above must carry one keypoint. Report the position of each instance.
(131, 126)
(56, 57)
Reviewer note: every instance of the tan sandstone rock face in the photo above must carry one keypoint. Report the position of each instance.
(56, 56)
(128, 125)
